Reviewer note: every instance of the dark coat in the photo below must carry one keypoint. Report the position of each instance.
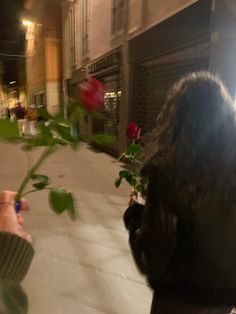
(193, 260)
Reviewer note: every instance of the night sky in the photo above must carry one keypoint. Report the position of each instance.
(11, 37)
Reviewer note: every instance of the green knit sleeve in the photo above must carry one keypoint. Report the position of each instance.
(13, 299)
(15, 257)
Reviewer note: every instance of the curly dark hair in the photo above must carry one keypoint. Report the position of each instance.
(190, 162)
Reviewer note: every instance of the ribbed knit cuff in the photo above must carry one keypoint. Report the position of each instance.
(15, 256)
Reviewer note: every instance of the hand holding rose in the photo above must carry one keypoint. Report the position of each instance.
(9, 220)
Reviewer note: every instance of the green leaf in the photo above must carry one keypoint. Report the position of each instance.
(9, 131)
(42, 181)
(133, 151)
(139, 188)
(121, 156)
(118, 182)
(60, 201)
(60, 141)
(60, 119)
(71, 210)
(64, 132)
(37, 141)
(74, 110)
(77, 114)
(102, 139)
(129, 176)
(45, 132)
(43, 139)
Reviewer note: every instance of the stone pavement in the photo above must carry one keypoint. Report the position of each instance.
(81, 267)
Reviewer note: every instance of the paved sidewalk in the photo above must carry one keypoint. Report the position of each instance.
(85, 266)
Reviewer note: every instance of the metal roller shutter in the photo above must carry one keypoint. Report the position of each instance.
(153, 79)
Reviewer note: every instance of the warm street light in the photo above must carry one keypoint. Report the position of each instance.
(27, 23)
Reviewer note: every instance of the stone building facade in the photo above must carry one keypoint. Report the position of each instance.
(44, 54)
(138, 48)
(98, 38)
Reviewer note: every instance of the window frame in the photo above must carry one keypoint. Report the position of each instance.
(85, 28)
(73, 33)
(116, 6)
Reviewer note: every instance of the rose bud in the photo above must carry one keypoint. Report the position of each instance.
(133, 131)
(91, 94)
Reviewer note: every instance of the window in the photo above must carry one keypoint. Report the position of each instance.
(34, 97)
(84, 28)
(118, 16)
(41, 100)
(73, 33)
(110, 125)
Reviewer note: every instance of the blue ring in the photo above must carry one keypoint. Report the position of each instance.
(18, 207)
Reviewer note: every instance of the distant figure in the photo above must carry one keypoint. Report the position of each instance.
(12, 115)
(8, 113)
(20, 113)
(184, 239)
(32, 117)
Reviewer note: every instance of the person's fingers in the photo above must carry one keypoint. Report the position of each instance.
(24, 205)
(20, 220)
(25, 235)
(10, 221)
(131, 201)
(132, 193)
(7, 196)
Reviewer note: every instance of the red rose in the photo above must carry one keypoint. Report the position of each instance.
(133, 131)
(92, 94)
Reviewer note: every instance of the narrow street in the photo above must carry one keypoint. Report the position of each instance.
(84, 266)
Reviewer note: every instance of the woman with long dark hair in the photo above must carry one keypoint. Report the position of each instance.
(184, 239)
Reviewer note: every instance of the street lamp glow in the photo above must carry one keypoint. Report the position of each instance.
(27, 23)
